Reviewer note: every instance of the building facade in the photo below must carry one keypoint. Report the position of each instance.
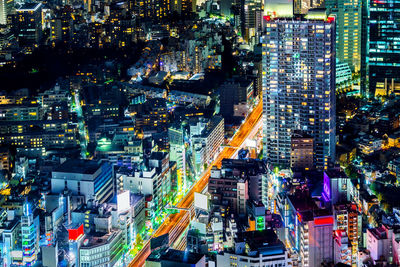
(299, 87)
(384, 46)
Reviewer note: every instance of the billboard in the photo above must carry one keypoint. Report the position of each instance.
(200, 201)
(74, 234)
(123, 201)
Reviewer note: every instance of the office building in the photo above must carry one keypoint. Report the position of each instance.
(251, 18)
(61, 26)
(28, 24)
(243, 179)
(152, 180)
(10, 238)
(235, 96)
(6, 6)
(148, 9)
(15, 112)
(299, 88)
(384, 46)
(89, 178)
(5, 157)
(101, 249)
(301, 7)
(347, 15)
(207, 136)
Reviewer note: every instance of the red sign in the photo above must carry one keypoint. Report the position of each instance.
(331, 19)
(323, 220)
(267, 18)
(74, 234)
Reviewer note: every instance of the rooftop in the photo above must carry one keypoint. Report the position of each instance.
(265, 242)
(176, 256)
(99, 239)
(83, 166)
(29, 7)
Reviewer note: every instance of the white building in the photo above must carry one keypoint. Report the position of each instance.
(88, 178)
(379, 242)
(101, 250)
(255, 248)
(207, 134)
(152, 180)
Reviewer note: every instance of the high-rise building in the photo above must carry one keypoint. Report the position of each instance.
(6, 7)
(150, 9)
(61, 28)
(299, 87)
(301, 7)
(251, 18)
(347, 14)
(28, 24)
(384, 46)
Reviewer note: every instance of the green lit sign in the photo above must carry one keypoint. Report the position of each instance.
(260, 223)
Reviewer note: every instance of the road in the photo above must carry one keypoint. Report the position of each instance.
(177, 223)
(81, 125)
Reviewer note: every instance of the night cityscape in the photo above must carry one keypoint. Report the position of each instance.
(166, 133)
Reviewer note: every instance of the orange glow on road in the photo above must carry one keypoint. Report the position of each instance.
(178, 222)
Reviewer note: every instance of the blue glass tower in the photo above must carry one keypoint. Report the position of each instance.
(384, 46)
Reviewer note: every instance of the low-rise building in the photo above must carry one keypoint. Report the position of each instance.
(254, 248)
(89, 178)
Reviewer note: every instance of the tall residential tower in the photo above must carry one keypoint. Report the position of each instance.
(299, 87)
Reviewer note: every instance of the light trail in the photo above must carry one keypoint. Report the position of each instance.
(177, 223)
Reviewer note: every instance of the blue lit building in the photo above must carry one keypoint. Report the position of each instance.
(384, 46)
(89, 178)
(29, 236)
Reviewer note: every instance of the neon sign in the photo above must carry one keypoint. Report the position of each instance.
(326, 193)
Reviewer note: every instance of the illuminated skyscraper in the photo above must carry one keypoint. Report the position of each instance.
(251, 17)
(384, 46)
(348, 31)
(299, 88)
(301, 7)
(27, 24)
(5, 9)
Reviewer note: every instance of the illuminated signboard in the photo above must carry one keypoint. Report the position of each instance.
(326, 192)
(323, 220)
(74, 234)
(260, 223)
